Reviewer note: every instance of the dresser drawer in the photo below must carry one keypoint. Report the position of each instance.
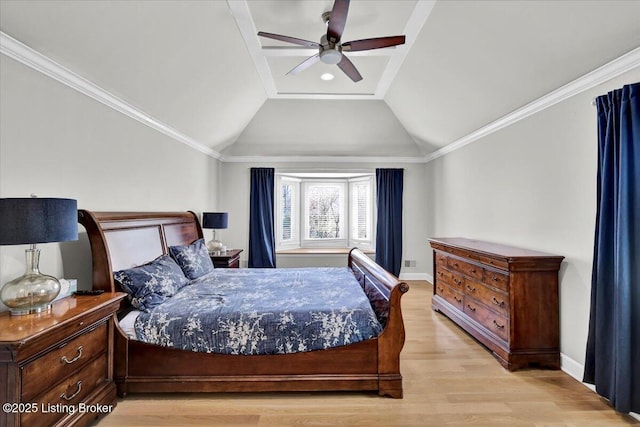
(498, 325)
(65, 396)
(441, 259)
(497, 280)
(450, 295)
(454, 280)
(494, 299)
(465, 268)
(62, 361)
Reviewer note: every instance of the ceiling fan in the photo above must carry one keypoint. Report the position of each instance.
(330, 48)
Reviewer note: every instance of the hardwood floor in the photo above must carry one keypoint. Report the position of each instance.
(449, 379)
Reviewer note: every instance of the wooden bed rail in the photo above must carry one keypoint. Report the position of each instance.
(384, 291)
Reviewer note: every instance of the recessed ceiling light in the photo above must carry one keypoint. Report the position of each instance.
(327, 76)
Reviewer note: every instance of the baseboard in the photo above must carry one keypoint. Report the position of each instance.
(576, 371)
(415, 276)
(573, 369)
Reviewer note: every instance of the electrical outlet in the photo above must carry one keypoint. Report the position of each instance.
(409, 262)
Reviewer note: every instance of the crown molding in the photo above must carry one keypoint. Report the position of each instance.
(18, 51)
(319, 159)
(31, 58)
(610, 70)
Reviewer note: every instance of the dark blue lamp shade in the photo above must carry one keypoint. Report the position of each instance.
(215, 220)
(37, 220)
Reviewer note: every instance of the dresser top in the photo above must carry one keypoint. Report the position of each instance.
(491, 249)
(20, 328)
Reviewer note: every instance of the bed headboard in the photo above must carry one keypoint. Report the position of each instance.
(122, 240)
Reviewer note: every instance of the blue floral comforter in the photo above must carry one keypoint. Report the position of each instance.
(263, 311)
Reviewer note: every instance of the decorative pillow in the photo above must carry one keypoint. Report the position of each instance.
(193, 259)
(151, 284)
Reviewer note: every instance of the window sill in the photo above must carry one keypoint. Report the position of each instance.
(319, 251)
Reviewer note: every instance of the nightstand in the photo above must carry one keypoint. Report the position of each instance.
(228, 259)
(56, 368)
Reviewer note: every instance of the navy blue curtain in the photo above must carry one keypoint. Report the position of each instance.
(389, 184)
(613, 346)
(262, 244)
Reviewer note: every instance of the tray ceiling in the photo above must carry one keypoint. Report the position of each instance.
(303, 19)
(198, 72)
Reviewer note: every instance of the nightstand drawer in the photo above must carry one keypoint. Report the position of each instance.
(67, 395)
(63, 361)
(227, 259)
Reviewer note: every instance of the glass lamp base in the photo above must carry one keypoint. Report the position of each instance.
(23, 312)
(32, 292)
(215, 246)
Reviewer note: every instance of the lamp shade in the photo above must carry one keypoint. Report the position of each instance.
(37, 220)
(215, 220)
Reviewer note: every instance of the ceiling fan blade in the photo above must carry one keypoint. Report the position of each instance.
(337, 19)
(349, 69)
(288, 39)
(305, 64)
(375, 43)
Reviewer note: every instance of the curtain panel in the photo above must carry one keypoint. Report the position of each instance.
(389, 186)
(262, 244)
(612, 360)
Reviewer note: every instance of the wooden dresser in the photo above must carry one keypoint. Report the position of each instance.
(56, 368)
(505, 297)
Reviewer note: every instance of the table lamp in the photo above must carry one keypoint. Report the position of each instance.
(215, 221)
(30, 221)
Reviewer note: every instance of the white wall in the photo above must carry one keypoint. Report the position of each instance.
(56, 142)
(234, 198)
(532, 184)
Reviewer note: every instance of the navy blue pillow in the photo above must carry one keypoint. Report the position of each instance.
(193, 259)
(152, 284)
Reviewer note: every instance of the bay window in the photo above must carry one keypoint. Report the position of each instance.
(324, 210)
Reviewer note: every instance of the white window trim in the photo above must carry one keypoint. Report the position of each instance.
(295, 213)
(348, 241)
(365, 243)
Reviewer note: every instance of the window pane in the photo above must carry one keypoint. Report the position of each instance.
(361, 210)
(324, 208)
(286, 201)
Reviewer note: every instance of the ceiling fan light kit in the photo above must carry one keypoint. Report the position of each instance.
(330, 49)
(331, 55)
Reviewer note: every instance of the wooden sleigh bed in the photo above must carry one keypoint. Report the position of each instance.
(121, 240)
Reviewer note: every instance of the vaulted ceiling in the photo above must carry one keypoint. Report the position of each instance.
(198, 68)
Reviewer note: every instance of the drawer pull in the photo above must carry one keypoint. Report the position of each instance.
(441, 289)
(456, 281)
(494, 278)
(498, 303)
(455, 264)
(440, 273)
(457, 299)
(497, 325)
(64, 359)
(471, 308)
(470, 289)
(473, 270)
(79, 386)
